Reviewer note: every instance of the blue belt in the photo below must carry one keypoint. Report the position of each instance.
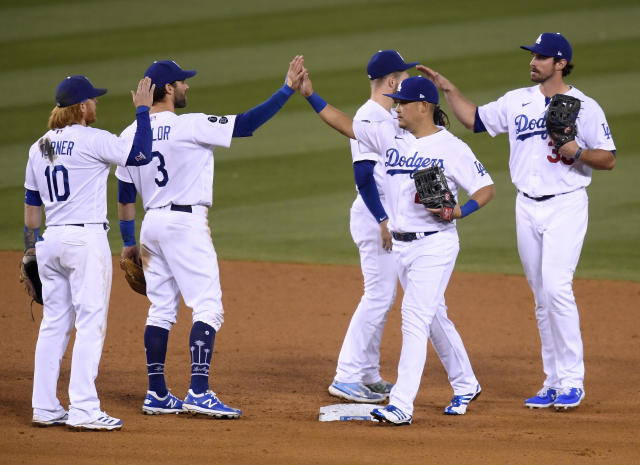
(408, 237)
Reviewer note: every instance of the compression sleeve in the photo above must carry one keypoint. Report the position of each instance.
(32, 198)
(252, 119)
(478, 125)
(363, 174)
(142, 139)
(126, 192)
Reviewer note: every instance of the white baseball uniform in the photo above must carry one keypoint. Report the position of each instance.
(74, 263)
(176, 247)
(425, 264)
(359, 359)
(551, 229)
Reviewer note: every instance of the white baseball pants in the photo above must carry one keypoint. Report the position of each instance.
(179, 258)
(550, 237)
(424, 266)
(74, 264)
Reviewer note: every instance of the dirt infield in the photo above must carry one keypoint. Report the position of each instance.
(276, 355)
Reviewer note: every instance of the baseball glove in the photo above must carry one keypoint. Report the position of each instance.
(29, 276)
(433, 191)
(134, 275)
(561, 119)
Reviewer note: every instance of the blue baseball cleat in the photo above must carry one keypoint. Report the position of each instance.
(154, 405)
(355, 392)
(208, 403)
(543, 399)
(569, 398)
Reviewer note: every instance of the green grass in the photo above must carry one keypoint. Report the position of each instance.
(285, 194)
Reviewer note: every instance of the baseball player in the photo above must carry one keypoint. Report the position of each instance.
(425, 245)
(551, 202)
(67, 172)
(358, 373)
(176, 248)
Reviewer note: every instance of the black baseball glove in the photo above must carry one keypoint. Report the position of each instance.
(433, 191)
(29, 276)
(561, 119)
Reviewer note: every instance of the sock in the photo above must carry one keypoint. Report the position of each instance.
(201, 346)
(155, 344)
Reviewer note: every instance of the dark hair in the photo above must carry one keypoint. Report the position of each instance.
(567, 69)
(440, 118)
(160, 92)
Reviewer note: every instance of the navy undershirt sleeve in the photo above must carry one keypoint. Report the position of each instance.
(478, 125)
(363, 174)
(32, 198)
(126, 192)
(250, 120)
(142, 139)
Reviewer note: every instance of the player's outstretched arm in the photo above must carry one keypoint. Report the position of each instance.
(464, 110)
(246, 123)
(330, 115)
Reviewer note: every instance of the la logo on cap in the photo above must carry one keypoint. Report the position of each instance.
(539, 39)
(400, 87)
(421, 96)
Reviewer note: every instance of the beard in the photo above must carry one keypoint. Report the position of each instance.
(180, 101)
(538, 77)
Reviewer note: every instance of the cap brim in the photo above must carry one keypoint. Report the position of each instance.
(98, 91)
(410, 65)
(188, 73)
(533, 49)
(400, 97)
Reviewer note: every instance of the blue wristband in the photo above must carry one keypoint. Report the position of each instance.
(142, 109)
(128, 232)
(469, 207)
(578, 153)
(316, 102)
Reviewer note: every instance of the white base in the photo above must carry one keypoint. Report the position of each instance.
(347, 412)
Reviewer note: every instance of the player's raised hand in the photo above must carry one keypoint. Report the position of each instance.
(306, 88)
(296, 72)
(144, 94)
(438, 79)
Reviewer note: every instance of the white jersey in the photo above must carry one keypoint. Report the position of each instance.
(405, 155)
(182, 170)
(72, 182)
(374, 112)
(536, 168)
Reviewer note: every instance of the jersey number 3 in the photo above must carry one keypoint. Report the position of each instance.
(161, 169)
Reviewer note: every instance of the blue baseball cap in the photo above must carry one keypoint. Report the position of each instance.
(167, 71)
(551, 44)
(76, 89)
(416, 89)
(386, 62)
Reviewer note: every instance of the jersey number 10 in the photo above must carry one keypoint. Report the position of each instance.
(52, 180)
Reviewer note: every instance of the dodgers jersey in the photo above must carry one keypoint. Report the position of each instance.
(372, 111)
(72, 179)
(181, 171)
(404, 155)
(536, 167)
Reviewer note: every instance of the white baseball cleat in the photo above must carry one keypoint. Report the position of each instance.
(459, 404)
(391, 414)
(103, 423)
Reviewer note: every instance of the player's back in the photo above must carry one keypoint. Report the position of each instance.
(69, 168)
(181, 172)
